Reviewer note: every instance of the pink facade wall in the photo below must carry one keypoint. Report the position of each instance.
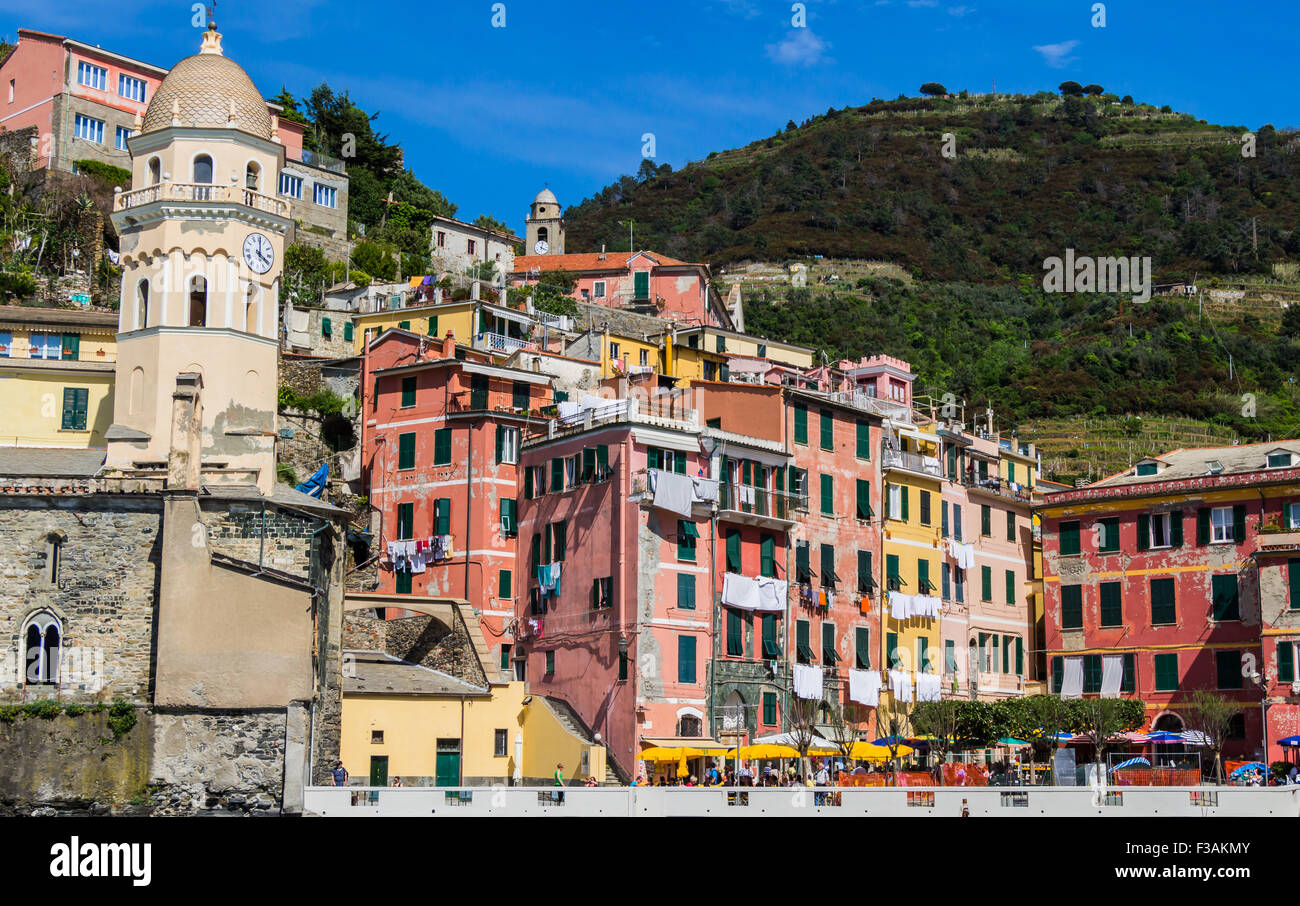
(36, 70)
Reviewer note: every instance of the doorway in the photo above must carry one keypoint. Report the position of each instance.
(447, 766)
(379, 770)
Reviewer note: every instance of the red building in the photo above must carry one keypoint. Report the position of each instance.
(1182, 573)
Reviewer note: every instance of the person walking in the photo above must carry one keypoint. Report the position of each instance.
(339, 774)
(558, 795)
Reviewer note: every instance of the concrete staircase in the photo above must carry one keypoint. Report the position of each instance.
(573, 722)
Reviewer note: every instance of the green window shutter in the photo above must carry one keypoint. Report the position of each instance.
(588, 464)
(1293, 581)
(724, 372)
(826, 421)
(864, 440)
(560, 542)
(923, 577)
(404, 325)
(1108, 543)
(1020, 656)
(945, 580)
(770, 647)
(1227, 666)
(1071, 606)
(891, 649)
(509, 516)
(986, 583)
(769, 709)
(1092, 673)
(891, 571)
(889, 512)
(686, 591)
(505, 584)
(557, 473)
(1203, 525)
(499, 442)
(403, 586)
(949, 656)
(505, 657)
(800, 423)
(442, 447)
(71, 347)
(1129, 681)
(801, 565)
(408, 391)
(686, 659)
(76, 403)
(1144, 532)
(442, 516)
(1176, 528)
(405, 520)
(733, 550)
(1239, 523)
(1069, 538)
(1058, 673)
(535, 552)
(828, 565)
(865, 579)
(679, 463)
(767, 556)
(943, 518)
(602, 460)
(528, 483)
(803, 649)
(433, 326)
(862, 648)
(1011, 525)
(686, 535)
(829, 655)
(925, 507)
(1006, 654)
(735, 633)
(520, 395)
(326, 328)
(905, 494)
(1112, 608)
(1285, 661)
(1224, 597)
(720, 344)
(406, 451)
(1166, 672)
(986, 519)
(347, 331)
(1163, 608)
(828, 496)
(1011, 587)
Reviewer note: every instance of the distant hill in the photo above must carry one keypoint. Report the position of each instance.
(1032, 176)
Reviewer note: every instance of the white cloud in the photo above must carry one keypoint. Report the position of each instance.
(800, 48)
(960, 10)
(1057, 55)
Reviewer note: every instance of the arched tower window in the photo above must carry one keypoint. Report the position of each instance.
(203, 176)
(542, 234)
(142, 304)
(252, 176)
(199, 302)
(155, 171)
(44, 642)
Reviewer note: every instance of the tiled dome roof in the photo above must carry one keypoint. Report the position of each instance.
(205, 86)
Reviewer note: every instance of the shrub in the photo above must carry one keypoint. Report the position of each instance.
(108, 173)
(121, 718)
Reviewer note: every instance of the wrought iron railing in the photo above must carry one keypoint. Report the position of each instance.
(913, 462)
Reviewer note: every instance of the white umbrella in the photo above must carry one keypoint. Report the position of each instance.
(519, 758)
(787, 739)
(1196, 738)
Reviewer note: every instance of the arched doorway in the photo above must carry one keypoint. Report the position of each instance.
(198, 301)
(203, 178)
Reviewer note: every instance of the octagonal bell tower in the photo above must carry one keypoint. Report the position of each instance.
(202, 241)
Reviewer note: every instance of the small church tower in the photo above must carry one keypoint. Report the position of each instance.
(202, 241)
(544, 228)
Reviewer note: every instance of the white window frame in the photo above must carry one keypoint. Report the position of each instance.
(131, 88)
(1160, 519)
(1221, 527)
(45, 672)
(324, 196)
(1282, 465)
(1293, 509)
(123, 133)
(291, 186)
(598, 289)
(88, 129)
(45, 343)
(98, 75)
(510, 445)
(613, 350)
(895, 493)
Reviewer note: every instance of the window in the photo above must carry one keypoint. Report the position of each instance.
(203, 171)
(324, 196)
(1227, 668)
(11, 91)
(1069, 532)
(1286, 661)
(1011, 587)
(1159, 530)
(1279, 460)
(1163, 611)
(7, 339)
(945, 580)
(1224, 597)
(406, 450)
(864, 511)
(1293, 581)
(402, 583)
(686, 537)
(598, 289)
(986, 520)
(686, 591)
(557, 540)
(949, 656)
(767, 556)
(802, 568)
(829, 578)
(90, 130)
(892, 656)
(863, 441)
(1223, 525)
(721, 344)
(550, 663)
(827, 495)
(290, 185)
(442, 516)
(733, 550)
(499, 743)
(408, 392)
(505, 584)
(829, 656)
(803, 651)
(923, 584)
(735, 634)
(1011, 526)
(92, 76)
(509, 517)
(622, 666)
(925, 507)
(800, 423)
(123, 133)
(131, 88)
(613, 350)
(862, 648)
(44, 639)
(769, 709)
(507, 444)
(1112, 608)
(956, 524)
(1071, 606)
(75, 403)
(986, 583)
(641, 284)
(686, 659)
(442, 447)
(893, 580)
(1148, 468)
(896, 502)
(602, 592)
(470, 245)
(827, 423)
(1107, 536)
(405, 521)
(376, 737)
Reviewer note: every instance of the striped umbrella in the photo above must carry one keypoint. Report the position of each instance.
(1131, 762)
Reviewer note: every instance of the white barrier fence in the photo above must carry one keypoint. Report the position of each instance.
(892, 802)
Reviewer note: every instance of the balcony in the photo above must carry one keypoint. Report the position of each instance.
(488, 401)
(997, 487)
(322, 161)
(641, 485)
(183, 192)
(556, 322)
(759, 506)
(927, 466)
(500, 344)
(1280, 542)
(662, 410)
(892, 409)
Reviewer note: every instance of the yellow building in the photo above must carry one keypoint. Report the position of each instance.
(431, 729)
(56, 366)
(491, 328)
(910, 471)
(729, 343)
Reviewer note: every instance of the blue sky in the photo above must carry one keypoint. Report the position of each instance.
(564, 92)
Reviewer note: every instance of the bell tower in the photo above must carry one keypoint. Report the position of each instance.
(202, 241)
(544, 228)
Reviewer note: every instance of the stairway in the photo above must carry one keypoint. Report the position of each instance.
(573, 722)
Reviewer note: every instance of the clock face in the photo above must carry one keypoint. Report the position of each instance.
(259, 254)
(541, 247)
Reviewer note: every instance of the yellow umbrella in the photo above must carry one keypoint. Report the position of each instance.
(867, 752)
(768, 750)
(682, 770)
(659, 753)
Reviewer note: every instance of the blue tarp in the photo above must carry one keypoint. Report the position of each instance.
(315, 486)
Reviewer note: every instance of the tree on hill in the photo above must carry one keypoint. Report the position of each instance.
(1070, 88)
(934, 89)
(488, 222)
(1093, 90)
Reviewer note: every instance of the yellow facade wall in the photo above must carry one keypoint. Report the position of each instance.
(32, 415)
(457, 317)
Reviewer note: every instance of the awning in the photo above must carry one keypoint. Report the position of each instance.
(509, 314)
(702, 743)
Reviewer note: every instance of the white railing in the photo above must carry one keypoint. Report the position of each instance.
(803, 802)
(913, 462)
(496, 342)
(900, 412)
(559, 322)
(202, 192)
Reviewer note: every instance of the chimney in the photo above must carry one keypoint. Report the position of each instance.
(449, 345)
(474, 291)
(602, 252)
(183, 459)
